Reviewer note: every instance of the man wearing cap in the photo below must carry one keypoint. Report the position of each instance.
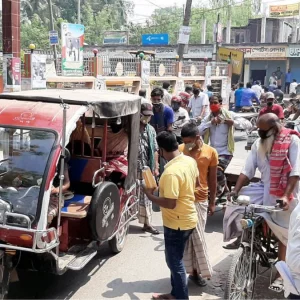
(148, 157)
(271, 107)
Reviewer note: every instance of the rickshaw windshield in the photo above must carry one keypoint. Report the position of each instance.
(24, 154)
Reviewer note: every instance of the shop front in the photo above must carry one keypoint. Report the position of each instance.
(262, 62)
(293, 53)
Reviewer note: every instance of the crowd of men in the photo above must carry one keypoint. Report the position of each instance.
(188, 142)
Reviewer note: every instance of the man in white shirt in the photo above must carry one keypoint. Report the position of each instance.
(218, 130)
(276, 155)
(293, 254)
(167, 96)
(293, 86)
(257, 89)
(199, 103)
(181, 117)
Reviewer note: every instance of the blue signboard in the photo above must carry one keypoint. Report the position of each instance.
(53, 37)
(155, 39)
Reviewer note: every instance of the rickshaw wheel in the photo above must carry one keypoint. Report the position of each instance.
(104, 211)
(118, 242)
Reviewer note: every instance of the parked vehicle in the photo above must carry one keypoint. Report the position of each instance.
(37, 131)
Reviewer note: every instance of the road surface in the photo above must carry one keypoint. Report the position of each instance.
(140, 269)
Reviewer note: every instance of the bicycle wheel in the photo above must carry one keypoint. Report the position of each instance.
(239, 284)
(253, 123)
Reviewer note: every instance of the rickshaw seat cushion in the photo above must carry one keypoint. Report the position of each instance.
(77, 207)
(79, 199)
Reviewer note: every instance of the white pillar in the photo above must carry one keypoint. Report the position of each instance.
(263, 30)
(246, 72)
(281, 32)
(203, 34)
(228, 31)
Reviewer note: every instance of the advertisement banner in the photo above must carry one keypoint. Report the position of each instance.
(11, 73)
(287, 10)
(38, 71)
(145, 66)
(184, 35)
(264, 53)
(115, 38)
(236, 57)
(72, 38)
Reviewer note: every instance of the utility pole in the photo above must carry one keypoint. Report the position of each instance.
(79, 12)
(228, 29)
(52, 28)
(216, 44)
(186, 22)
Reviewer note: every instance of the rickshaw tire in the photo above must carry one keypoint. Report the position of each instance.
(105, 201)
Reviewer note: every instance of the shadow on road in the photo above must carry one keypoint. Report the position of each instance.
(34, 285)
(215, 222)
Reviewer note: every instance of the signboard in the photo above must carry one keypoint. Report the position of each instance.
(100, 83)
(145, 74)
(184, 35)
(236, 57)
(293, 51)
(264, 53)
(53, 37)
(287, 10)
(115, 38)
(38, 71)
(155, 39)
(199, 52)
(165, 53)
(72, 37)
(11, 73)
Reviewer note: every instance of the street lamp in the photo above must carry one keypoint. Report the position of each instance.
(95, 51)
(32, 48)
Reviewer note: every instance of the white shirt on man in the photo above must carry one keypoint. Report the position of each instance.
(219, 133)
(178, 124)
(196, 105)
(257, 90)
(293, 87)
(166, 98)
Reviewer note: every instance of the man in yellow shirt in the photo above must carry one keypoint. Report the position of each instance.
(196, 257)
(176, 199)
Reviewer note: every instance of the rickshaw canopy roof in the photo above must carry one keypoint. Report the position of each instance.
(106, 104)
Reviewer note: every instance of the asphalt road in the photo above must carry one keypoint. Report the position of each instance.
(140, 269)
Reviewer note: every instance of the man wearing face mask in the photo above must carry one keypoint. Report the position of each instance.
(271, 107)
(163, 115)
(198, 103)
(148, 156)
(196, 255)
(276, 155)
(177, 201)
(181, 117)
(218, 130)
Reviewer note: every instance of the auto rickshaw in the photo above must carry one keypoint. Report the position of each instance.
(41, 132)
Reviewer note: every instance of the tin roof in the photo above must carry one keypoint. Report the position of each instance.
(107, 104)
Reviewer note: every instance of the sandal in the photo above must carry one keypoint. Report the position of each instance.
(198, 280)
(151, 230)
(277, 285)
(162, 296)
(233, 246)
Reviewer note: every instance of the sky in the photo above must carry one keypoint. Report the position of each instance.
(144, 8)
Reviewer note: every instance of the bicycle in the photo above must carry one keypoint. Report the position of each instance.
(257, 253)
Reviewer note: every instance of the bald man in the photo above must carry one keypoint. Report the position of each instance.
(276, 154)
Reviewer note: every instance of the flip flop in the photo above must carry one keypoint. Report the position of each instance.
(277, 285)
(162, 296)
(151, 230)
(232, 246)
(198, 280)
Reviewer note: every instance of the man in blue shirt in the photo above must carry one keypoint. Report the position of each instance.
(238, 97)
(209, 91)
(288, 80)
(163, 115)
(248, 95)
